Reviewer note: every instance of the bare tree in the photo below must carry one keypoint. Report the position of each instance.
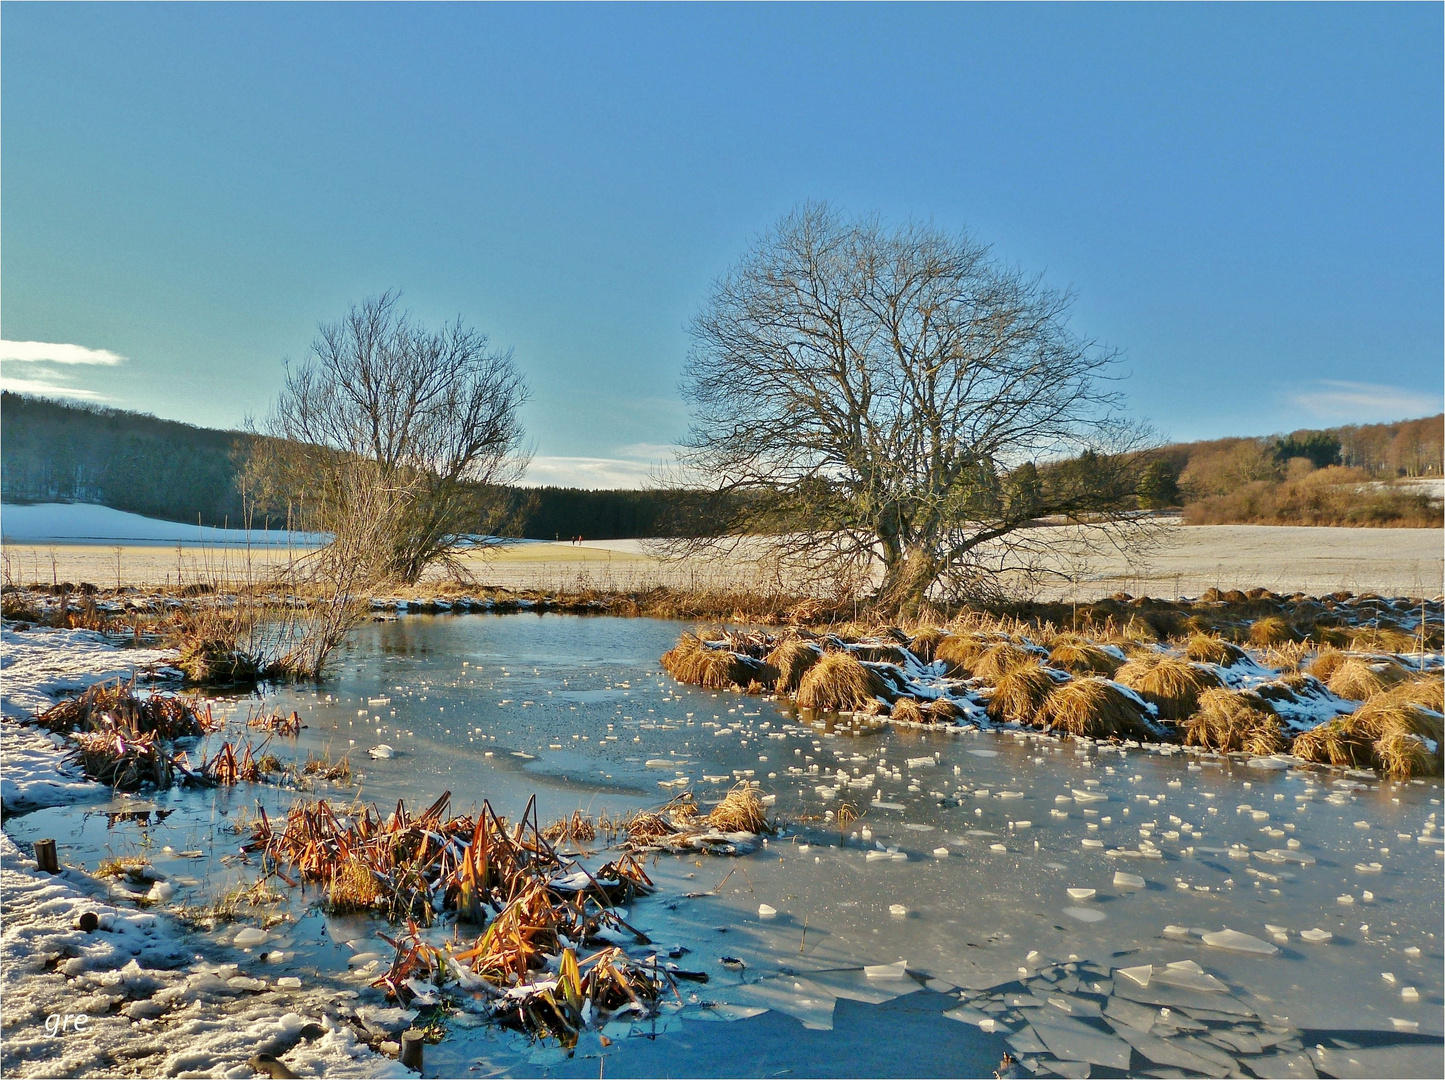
(395, 439)
(898, 403)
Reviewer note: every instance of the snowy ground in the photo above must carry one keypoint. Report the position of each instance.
(1187, 561)
(152, 1003)
(80, 522)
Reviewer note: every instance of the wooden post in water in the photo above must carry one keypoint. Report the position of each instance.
(412, 1042)
(45, 858)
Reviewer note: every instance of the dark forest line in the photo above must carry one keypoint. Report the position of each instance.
(60, 452)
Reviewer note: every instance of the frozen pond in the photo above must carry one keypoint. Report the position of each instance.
(995, 887)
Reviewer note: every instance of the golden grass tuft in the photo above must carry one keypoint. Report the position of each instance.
(1427, 690)
(1208, 649)
(353, 887)
(838, 682)
(924, 643)
(960, 651)
(997, 660)
(1390, 639)
(1384, 734)
(1360, 679)
(1271, 630)
(1094, 708)
(793, 656)
(740, 811)
(1326, 661)
(692, 660)
(1020, 694)
(943, 711)
(1169, 683)
(1230, 721)
(907, 710)
(1083, 658)
(1289, 656)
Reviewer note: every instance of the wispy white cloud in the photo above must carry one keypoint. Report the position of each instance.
(49, 352)
(48, 368)
(1331, 399)
(588, 472)
(44, 389)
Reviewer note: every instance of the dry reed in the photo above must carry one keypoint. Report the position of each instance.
(838, 682)
(1171, 684)
(1230, 721)
(1020, 694)
(1097, 709)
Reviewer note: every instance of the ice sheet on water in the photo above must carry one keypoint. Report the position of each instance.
(793, 995)
(1175, 997)
(1089, 915)
(724, 1011)
(855, 985)
(1139, 975)
(1072, 1040)
(1139, 1017)
(1236, 941)
(1167, 1052)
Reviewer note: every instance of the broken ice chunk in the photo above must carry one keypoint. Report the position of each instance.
(886, 971)
(249, 936)
(1080, 894)
(1235, 941)
(1139, 974)
(1315, 936)
(1127, 881)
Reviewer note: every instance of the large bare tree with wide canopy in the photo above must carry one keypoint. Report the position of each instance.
(896, 403)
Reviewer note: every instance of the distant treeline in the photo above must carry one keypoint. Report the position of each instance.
(1354, 475)
(58, 452)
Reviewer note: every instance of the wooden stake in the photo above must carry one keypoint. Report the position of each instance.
(45, 857)
(412, 1042)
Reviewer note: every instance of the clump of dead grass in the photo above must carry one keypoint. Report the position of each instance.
(1209, 649)
(838, 682)
(960, 651)
(1399, 738)
(1427, 690)
(942, 711)
(1231, 721)
(1171, 684)
(1020, 694)
(740, 811)
(1325, 663)
(1271, 630)
(924, 643)
(1081, 657)
(997, 660)
(792, 657)
(1094, 708)
(711, 664)
(1360, 679)
(908, 711)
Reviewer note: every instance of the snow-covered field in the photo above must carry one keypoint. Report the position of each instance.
(46, 523)
(91, 544)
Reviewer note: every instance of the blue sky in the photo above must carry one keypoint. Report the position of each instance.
(1246, 199)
